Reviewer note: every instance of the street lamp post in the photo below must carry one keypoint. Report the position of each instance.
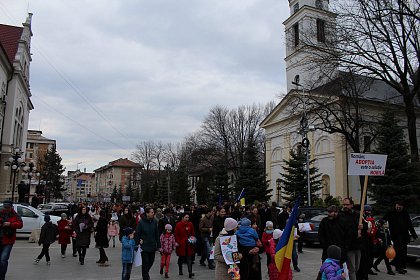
(169, 182)
(278, 182)
(303, 130)
(15, 162)
(29, 169)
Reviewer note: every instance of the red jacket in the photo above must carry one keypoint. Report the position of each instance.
(183, 230)
(8, 235)
(64, 233)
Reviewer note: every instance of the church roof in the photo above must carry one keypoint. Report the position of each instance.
(9, 39)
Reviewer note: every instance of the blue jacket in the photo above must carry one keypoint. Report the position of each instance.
(247, 236)
(128, 249)
(331, 270)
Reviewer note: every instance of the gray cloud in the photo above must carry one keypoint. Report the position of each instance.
(151, 69)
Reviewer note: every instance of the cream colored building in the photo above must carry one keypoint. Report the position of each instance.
(15, 102)
(331, 151)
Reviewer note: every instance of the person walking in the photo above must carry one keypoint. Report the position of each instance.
(185, 237)
(113, 230)
(64, 233)
(126, 220)
(205, 227)
(168, 244)
(147, 236)
(384, 241)
(331, 232)
(83, 226)
(221, 272)
(46, 238)
(128, 252)
(101, 238)
(10, 221)
(401, 228)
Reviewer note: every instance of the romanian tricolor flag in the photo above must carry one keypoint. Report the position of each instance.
(285, 246)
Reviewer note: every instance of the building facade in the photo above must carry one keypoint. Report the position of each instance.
(15, 59)
(119, 173)
(309, 20)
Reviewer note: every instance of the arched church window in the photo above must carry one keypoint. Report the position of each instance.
(326, 189)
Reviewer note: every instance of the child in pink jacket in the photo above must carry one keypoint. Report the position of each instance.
(273, 273)
(113, 230)
(168, 244)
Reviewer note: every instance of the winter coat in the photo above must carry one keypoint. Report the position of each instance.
(273, 272)
(167, 241)
(205, 225)
(147, 230)
(247, 262)
(331, 270)
(183, 230)
(218, 224)
(248, 236)
(128, 249)
(8, 234)
(350, 220)
(113, 228)
(221, 272)
(126, 221)
(101, 236)
(266, 237)
(83, 235)
(400, 225)
(331, 232)
(48, 234)
(64, 233)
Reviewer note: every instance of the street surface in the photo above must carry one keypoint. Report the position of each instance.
(21, 265)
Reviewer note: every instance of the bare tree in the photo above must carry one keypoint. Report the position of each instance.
(377, 39)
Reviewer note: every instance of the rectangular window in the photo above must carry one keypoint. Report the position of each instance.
(296, 34)
(296, 8)
(320, 30)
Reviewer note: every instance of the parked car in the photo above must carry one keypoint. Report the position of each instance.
(32, 218)
(311, 236)
(413, 248)
(311, 211)
(55, 209)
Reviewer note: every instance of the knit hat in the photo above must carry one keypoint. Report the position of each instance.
(245, 222)
(230, 224)
(63, 215)
(47, 218)
(128, 231)
(277, 233)
(334, 252)
(367, 207)
(269, 224)
(168, 227)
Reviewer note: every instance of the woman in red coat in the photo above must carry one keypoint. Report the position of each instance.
(64, 233)
(185, 237)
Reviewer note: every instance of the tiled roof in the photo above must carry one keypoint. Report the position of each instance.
(9, 39)
(124, 162)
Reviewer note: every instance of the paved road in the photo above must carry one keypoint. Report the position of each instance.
(21, 266)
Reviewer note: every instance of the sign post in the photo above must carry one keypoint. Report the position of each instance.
(366, 165)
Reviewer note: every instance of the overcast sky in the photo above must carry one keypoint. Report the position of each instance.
(107, 75)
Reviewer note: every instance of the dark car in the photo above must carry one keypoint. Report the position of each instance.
(311, 211)
(311, 236)
(55, 209)
(413, 248)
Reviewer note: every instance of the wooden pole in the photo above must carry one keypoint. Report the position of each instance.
(362, 205)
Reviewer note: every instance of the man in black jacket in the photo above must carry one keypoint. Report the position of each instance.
(400, 227)
(331, 232)
(353, 237)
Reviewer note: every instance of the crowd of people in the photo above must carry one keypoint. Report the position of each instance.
(193, 231)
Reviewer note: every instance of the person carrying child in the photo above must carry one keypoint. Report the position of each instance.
(248, 238)
(128, 252)
(168, 244)
(331, 269)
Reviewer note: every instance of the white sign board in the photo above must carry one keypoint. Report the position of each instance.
(367, 164)
(229, 248)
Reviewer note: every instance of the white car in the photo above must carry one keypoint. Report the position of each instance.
(413, 248)
(32, 218)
